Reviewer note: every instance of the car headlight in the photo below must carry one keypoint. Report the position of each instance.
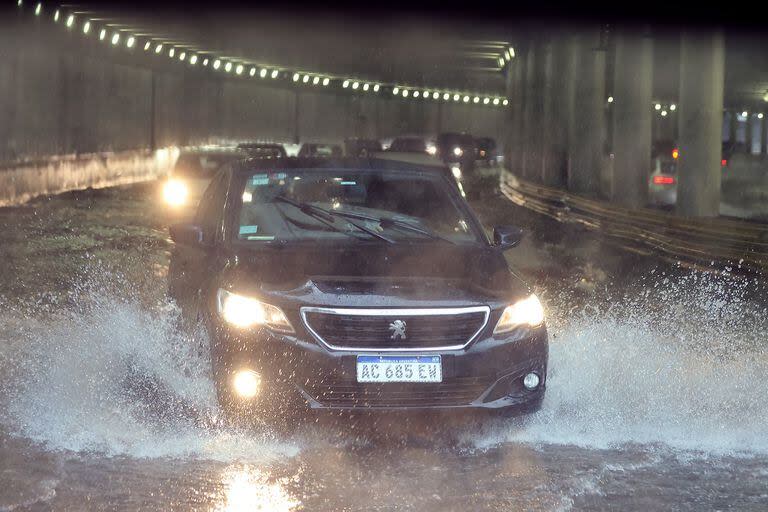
(242, 311)
(175, 192)
(432, 149)
(456, 171)
(524, 312)
(458, 151)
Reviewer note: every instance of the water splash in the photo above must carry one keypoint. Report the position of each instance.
(109, 374)
(679, 360)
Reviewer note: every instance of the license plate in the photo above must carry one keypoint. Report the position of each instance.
(399, 369)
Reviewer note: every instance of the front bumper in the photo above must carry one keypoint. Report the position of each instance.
(487, 374)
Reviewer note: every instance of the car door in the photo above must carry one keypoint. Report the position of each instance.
(191, 264)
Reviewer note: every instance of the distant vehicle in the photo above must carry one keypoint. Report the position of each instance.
(263, 149)
(424, 160)
(361, 147)
(311, 150)
(356, 285)
(486, 150)
(193, 171)
(662, 182)
(413, 144)
(457, 148)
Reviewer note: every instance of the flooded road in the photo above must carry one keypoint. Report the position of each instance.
(656, 397)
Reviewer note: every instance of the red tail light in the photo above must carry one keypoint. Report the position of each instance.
(723, 162)
(663, 180)
(675, 153)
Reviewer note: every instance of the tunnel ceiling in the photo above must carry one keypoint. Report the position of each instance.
(444, 54)
(417, 50)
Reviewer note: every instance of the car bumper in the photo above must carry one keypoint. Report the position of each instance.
(488, 374)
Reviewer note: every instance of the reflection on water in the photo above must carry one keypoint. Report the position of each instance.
(247, 488)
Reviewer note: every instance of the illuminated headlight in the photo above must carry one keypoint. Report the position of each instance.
(458, 151)
(525, 312)
(246, 383)
(243, 312)
(175, 192)
(432, 149)
(456, 170)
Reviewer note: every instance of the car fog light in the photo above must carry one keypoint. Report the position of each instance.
(247, 383)
(531, 381)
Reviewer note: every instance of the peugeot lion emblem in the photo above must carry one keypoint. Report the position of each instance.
(398, 329)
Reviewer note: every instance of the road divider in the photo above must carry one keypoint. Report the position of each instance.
(701, 242)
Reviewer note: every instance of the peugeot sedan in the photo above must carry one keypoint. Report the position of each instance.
(359, 284)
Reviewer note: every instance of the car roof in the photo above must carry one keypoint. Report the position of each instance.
(255, 164)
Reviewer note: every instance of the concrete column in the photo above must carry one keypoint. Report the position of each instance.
(702, 62)
(748, 134)
(762, 137)
(733, 125)
(587, 131)
(534, 112)
(509, 114)
(558, 110)
(517, 145)
(632, 116)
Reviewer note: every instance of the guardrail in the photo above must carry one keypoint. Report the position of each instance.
(699, 242)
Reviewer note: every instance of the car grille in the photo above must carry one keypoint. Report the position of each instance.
(349, 394)
(340, 330)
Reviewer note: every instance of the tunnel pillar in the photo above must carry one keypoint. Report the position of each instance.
(748, 134)
(762, 137)
(558, 109)
(702, 62)
(534, 112)
(632, 118)
(587, 130)
(518, 131)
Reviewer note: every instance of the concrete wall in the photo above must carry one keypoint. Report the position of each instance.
(63, 93)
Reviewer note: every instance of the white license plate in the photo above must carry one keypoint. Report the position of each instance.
(399, 369)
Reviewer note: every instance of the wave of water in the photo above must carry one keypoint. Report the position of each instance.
(679, 361)
(108, 374)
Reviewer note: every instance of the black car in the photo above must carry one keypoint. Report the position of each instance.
(458, 148)
(361, 148)
(486, 150)
(360, 284)
(314, 150)
(263, 149)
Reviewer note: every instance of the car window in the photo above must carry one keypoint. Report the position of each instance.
(422, 201)
(202, 165)
(211, 207)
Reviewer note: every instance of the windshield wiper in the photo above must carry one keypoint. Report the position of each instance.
(327, 217)
(387, 222)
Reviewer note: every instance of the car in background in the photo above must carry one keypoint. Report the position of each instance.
(263, 149)
(457, 148)
(357, 147)
(317, 150)
(362, 285)
(486, 151)
(413, 144)
(192, 173)
(662, 183)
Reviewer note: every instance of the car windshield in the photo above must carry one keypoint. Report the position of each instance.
(202, 165)
(390, 203)
(409, 145)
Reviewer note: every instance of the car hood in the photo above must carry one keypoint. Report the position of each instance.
(430, 275)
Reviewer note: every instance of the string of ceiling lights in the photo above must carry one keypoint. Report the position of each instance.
(182, 54)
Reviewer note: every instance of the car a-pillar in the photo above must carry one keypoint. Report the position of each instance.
(700, 123)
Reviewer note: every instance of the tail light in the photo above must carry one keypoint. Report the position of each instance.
(663, 180)
(675, 153)
(723, 162)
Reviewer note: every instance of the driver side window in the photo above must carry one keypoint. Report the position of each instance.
(211, 207)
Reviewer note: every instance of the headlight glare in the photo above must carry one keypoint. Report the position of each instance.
(244, 312)
(175, 192)
(458, 151)
(524, 312)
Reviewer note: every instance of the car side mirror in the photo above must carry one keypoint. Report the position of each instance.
(186, 234)
(507, 237)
